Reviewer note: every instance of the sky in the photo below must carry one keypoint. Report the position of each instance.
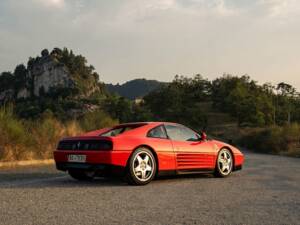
(157, 39)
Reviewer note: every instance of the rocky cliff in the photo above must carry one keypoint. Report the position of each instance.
(48, 73)
(58, 71)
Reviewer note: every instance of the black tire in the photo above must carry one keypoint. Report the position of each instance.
(224, 165)
(132, 176)
(81, 174)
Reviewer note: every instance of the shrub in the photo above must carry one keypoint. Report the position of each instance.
(27, 139)
(13, 136)
(274, 139)
(95, 120)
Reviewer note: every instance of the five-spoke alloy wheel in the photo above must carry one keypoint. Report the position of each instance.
(142, 167)
(224, 163)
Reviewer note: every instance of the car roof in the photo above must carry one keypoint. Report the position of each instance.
(136, 124)
(145, 123)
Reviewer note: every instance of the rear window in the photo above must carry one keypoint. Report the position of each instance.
(120, 130)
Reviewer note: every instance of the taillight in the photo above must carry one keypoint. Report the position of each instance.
(91, 145)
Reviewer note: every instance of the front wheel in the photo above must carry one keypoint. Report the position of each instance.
(82, 174)
(224, 163)
(141, 167)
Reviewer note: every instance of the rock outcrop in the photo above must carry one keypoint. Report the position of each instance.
(23, 93)
(59, 72)
(48, 73)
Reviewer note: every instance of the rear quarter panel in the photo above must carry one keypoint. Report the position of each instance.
(162, 147)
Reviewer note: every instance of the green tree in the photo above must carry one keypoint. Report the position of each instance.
(20, 74)
(180, 101)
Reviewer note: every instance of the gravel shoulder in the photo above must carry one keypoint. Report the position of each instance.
(266, 191)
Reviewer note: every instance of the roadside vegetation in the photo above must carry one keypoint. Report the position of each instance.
(261, 117)
(264, 118)
(36, 139)
(283, 140)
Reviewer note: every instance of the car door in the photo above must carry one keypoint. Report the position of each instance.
(191, 152)
(158, 140)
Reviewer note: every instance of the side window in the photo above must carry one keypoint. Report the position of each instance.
(157, 132)
(181, 133)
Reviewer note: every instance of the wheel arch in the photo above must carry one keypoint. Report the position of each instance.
(229, 149)
(152, 151)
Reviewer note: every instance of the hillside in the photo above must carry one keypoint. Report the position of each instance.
(135, 88)
(58, 71)
(58, 94)
(58, 81)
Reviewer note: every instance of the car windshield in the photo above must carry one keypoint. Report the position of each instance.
(120, 130)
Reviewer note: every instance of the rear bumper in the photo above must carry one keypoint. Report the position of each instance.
(93, 158)
(238, 167)
(64, 166)
(100, 169)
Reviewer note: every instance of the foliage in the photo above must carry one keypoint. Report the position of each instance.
(36, 139)
(125, 110)
(86, 79)
(118, 107)
(20, 75)
(241, 97)
(95, 120)
(31, 128)
(179, 101)
(253, 104)
(83, 87)
(274, 139)
(7, 80)
(13, 135)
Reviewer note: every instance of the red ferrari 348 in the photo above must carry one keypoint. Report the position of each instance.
(141, 151)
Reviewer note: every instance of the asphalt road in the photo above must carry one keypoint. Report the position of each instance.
(266, 191)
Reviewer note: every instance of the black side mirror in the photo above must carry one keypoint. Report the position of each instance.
(203, 136)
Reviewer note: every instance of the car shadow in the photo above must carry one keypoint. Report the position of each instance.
(184, 176)
(62, 180)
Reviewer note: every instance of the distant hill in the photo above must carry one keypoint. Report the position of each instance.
(134, 88)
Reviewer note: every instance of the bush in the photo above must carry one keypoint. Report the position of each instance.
(45, 134)
(95, 120)
(13, 136)
(275, 139)
(26, 139)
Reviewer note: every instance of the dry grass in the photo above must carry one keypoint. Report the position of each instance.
(13, 164)
(33, 140)
(292, 152)
(276, 140)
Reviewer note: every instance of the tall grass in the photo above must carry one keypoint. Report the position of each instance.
(26, 140)
(95, 120)
(13, 136)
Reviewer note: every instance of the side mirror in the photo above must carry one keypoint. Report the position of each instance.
(203, 136)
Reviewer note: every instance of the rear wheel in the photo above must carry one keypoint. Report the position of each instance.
(224, 163)
(82, 174)
(141, 167)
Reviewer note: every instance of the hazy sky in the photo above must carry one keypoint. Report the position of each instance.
(126, 39)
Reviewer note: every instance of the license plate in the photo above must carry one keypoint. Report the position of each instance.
(77, 158)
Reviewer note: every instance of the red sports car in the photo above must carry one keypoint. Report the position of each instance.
(144, 150)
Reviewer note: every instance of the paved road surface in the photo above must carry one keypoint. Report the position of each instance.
(267, 191)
